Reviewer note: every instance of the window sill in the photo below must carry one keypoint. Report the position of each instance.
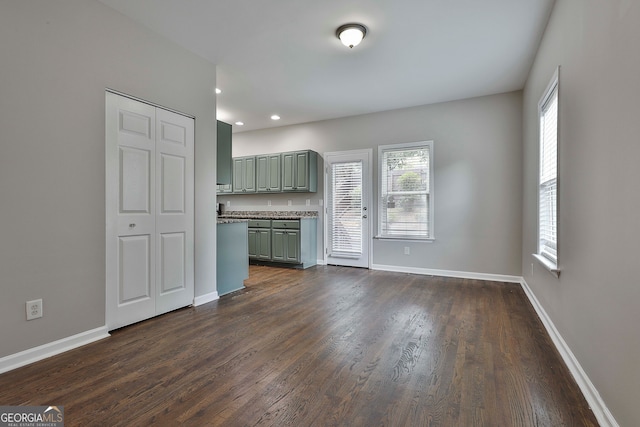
(549, 265)
(406, 239)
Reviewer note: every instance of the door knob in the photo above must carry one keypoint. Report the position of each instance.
(364, 216)
(132, 225)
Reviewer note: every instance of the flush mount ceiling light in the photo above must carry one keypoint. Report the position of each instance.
(351, 34)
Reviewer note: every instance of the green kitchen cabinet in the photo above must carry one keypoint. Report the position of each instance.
(224, 162)
(294, 241)
(244, 174)
(268, 173)
(300, 171)
(285, 245)
(259, 240)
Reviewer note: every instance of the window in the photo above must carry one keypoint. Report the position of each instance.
(405, 208)
(548, 177)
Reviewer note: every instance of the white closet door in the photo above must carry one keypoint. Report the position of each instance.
(149, 211)
(131, 205)
(174, 219)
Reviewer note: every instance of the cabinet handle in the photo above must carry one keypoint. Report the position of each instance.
(364, 216)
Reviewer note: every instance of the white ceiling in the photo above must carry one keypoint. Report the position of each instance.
(282, 56)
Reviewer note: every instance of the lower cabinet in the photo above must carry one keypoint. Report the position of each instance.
(283, 241)
(286, 245)
(260, 243)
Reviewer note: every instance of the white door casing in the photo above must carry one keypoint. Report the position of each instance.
(348, 213)
(149, 211)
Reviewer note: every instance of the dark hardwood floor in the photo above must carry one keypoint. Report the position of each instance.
(324, 346)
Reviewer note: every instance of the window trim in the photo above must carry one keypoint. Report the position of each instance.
(553, 87)
(431, 192)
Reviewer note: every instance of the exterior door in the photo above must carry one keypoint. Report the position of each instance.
(149, 211)
(348, 216)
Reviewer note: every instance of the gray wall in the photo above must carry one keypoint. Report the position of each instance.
(594, 303)
(478, 177)
(57, 59)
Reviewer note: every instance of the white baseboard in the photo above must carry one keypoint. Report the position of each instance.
(321, 262)
(599, 408)
(448, 273)
(203, 299)
(35, 354)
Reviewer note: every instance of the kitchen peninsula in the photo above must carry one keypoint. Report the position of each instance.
(232, 265)
(286, 238)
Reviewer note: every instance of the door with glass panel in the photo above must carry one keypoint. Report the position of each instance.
(348, 213)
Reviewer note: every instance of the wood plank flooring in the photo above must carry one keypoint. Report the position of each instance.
(326, 346)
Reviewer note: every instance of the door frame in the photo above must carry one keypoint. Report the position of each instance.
(367, 191)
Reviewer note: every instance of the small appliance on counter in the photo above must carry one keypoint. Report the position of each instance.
(220, 209)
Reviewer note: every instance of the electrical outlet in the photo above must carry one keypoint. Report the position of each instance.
(268, 202)
(289, 202)
(34, 309)
(320, 202)
(308, 202)
(407, 250)
(228, 203)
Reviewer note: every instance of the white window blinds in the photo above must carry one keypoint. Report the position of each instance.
(345, 221)
(406, 199)
(548, 187)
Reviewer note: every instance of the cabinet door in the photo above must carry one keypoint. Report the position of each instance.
(262, 173)
(244, 175)
(292, 246)
(268, 173)
(274, 173)
(249, 174)
(260, 243)
(253, 243)
(224, 161)
(238, 175)
(301, 171)
(278, 245)
(288, 171)
(264, 244)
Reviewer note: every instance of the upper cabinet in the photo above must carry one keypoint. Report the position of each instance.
(224, 161)
(295, 171)
(300, 171)
(244, 174)
(268, 173)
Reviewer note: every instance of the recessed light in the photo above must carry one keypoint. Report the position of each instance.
(275, 117)
(240, 123)
(218, 91)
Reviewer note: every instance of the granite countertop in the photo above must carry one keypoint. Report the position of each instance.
(231, 215)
